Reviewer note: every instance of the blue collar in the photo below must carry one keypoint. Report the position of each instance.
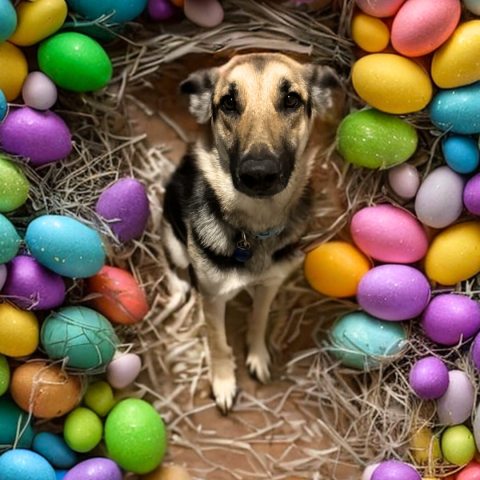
(271, 232)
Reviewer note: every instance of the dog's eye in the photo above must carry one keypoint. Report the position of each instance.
(228, 103)
(291, 100)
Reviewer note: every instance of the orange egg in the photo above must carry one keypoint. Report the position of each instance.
(118, 296)
(335, 268)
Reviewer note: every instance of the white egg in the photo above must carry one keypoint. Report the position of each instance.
(476, 427)
(456, 405)
(404, 180)
(368, 472)
(123, 370)
(206, 13)
(39, 91)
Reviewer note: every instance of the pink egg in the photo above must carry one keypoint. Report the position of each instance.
(39, 91)
(389, 234)
(123, 370)
(429, 378)
(456, 405)
(404, 180)
(383, 8)
(205, 13)
(395, 470)
(421, 26)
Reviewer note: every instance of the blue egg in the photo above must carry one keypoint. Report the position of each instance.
(9, 20)
(457, 110)
(3, 104)
(65, 246)
(55, 450)
(16, 428)
(23, 464)
(122, 10)
(461, 153)
(61, 474)
(364, 342)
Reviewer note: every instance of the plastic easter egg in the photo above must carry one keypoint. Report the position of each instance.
(368, 472)
(16, 425)
(472, 5)
(470, 472)
(117, 295)
(96, 468)
(425, 447)
(31, 286)
(420, 26)
(475, 352)
(83, 337)
(3, 275)
(19, 336)
(391, 83)
(123, 370)
(161, 10)
(3, 105)
(14, 68)
(335, 268)
(207, 13)
(65, 246)
(373, 139)
(14, 186)
(39, 91)
(119, 11)
(45, 389)
(25, 465)
(471, 195)
(453, 254)
(451, 318)
(9, 241)
(167, 472)
(455, 110)
(369, 33)
(135, 436)
(386, 8)
(455, 406)
(9, 20)
(124, 204)
(439, 200)
(75, 62)
(395, 470)
(38, 20)
(429, 378)
(389, 234)
(364, 342)
(404, 180)
(455, 63)
(461, 153)
(458, 445)
(393, 292)
(83, 430)
(54, 448)
(99, 398)
(4, 375)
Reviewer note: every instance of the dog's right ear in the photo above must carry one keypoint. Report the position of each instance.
(199, 87)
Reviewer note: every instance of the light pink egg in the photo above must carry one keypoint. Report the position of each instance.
(205, 13)
(456, 405)
(404, 180)
(123, 370)
(39, 91)
(379, 8)
(421, 26)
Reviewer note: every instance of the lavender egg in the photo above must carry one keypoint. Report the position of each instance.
(125, 206)
(450, 318)
(39, 91)
(97, 468)
(471, 195)
(393, 292)
(43, 137)
(475, 350)
(395, 470)
(31, 286)
(456, 405)
(429, 378)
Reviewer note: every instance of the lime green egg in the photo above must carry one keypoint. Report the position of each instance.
(83, 430)
(4, 375)
(14, 186)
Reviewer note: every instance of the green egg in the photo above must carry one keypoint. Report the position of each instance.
(373, 139)
(99, 397)
(14, 186)
(83, 430)
(135, 436)
(9, 240)
(75, 62)
(4, 375)
(458, 445)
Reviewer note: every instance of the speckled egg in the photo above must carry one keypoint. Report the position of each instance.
(455, 406)
(395, 470)
(9, 241)
(461, 153)
(429, 378)
(21, 464)
(96, 468)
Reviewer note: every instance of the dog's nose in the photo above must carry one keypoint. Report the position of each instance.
(259, 177)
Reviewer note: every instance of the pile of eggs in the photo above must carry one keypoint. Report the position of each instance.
(407, 259)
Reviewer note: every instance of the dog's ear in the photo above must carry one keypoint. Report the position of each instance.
(199, 87)
(326, 89)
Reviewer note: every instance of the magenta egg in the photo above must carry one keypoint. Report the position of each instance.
(429, 378)
(395, 470)
(450, 318)
(161, 10)
(393, 292)
(471, 195)
(97, 468)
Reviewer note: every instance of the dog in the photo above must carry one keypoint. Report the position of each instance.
(239, 202)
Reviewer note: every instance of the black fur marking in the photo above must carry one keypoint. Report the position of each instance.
(259, 64)
(285, 252)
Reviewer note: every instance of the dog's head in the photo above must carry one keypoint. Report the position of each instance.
(261, 108)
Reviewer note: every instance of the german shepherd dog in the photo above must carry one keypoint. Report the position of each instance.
(239, 202)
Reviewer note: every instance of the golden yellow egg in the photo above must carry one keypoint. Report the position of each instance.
(172, 472)
(14, 70)
(425, 447)
(19, 331)
(370, 33)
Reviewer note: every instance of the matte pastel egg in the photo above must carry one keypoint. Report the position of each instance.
(119, 11)
(54, 448)
(429, 378)
(97, 468)
(39, 91)
(9, 241)
(99, 397)
(14, 68)
(31, 286)
(65, 246)
(205, 13)
(420, 26)
(24, 464)
(458, 445)
(471, 195)
(404, 180)
(14, 186)
(470, 472)
(389, 234)
(43, 137)
(16, 425)
(439, 200)
(455, 406)
(391, 83)
(373, 139)
(369, 33)
(393, 292)
(386, 8)
(125, 206)
(123, 370)
(461, 153)
(161, 10)
(455, 63)
(395, 470)
(9, 20)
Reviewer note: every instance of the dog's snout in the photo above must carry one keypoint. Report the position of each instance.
(259, 176)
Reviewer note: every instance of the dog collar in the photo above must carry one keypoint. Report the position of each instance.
(243, 253)
(268, 233)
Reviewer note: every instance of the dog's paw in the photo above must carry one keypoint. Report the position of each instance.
(258, 363)
(224, 391)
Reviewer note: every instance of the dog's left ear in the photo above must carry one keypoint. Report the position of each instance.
(326, 89)
(199, 87)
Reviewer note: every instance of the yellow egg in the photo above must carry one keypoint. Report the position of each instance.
(14, 70)
(456, 62)
(454, 254)
(19, 331)
(335, 269)
(425, 447)
(392, 83)
(38, 20)
(370, 33)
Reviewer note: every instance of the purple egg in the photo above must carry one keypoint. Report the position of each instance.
(471, 195)
(429, 378)
(41, 136)
(31, 286)
(395, 470)
(97, 468)
(475, 351)
(161, 10)
(393, 292)
(450, 318)
(125, 206)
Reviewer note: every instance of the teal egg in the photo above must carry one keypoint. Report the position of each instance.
(81, 336)
(65, 246)
(120, 10)
(9, 20)
(461, 153)
(9, 240)
(364, 342)
(54, 448)
(3, 105)
(16, 426)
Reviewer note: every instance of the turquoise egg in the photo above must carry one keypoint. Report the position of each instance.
(364, 342)
(9, 240)
(457, 110)
(55, 449)
(3, 104)
(65, 246)
(81, 336)
(9, 20)
(461, 153)
(14, 420)
(120, 10)
(20, 464)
